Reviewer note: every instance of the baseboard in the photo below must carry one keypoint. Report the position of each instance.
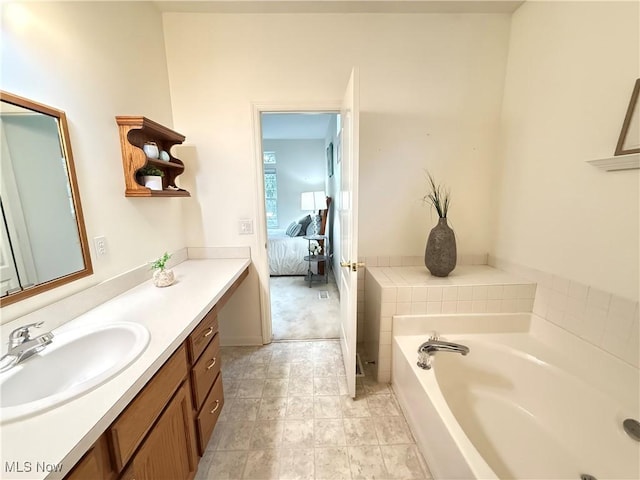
(240, 341)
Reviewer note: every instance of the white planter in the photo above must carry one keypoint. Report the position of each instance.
(163, 278)
(152, 182)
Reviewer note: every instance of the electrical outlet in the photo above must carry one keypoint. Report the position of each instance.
(245, 227)
(101, 246)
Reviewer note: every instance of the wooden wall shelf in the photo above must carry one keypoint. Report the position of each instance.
(135, 131)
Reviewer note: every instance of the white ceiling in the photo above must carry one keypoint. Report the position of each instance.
(339, 6)
(295, 126)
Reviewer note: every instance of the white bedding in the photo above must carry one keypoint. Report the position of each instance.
(286, 254)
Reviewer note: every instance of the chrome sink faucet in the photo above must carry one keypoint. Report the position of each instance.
(433, 345)
(23, 346)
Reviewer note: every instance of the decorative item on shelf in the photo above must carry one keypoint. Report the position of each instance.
(151, 177)
(315, 248)
(151, 150)
(164, 156)
(440, 253)
(162, 277)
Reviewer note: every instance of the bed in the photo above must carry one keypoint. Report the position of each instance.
(286, 253)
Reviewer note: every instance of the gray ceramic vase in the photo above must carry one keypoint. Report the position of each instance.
(440, 254)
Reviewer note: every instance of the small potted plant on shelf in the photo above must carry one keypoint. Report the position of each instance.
(162, 277)
(151, 177)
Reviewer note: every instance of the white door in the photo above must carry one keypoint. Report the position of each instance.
(348, 227)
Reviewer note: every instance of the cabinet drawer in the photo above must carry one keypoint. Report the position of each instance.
(202, 335)
(129, 429)
(205, 371)
(209, 414)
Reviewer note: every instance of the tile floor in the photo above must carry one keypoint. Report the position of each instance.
(287, 416)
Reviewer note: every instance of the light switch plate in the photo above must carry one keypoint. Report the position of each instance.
(245, 227)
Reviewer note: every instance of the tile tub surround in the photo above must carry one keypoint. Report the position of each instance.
(413, 290)
(608, 321)
(286, 416)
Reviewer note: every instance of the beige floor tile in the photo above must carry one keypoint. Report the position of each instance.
(392, 430)
(235, 435)
(300, 407)
(297, 464)
(354, 407)
(287, 415)
(243, 409)
(301, 369)
(325, 386)
(266, 434)
(360, 431)
(230, 385)
(278, 370)
(298, 433)
(332, 463)
(262, 464)
(403, 461)
(329, 432)
(327, 407)
(258, 370)
(249, 388)
(262, 356)
(383, 405)
(272, 408)
(276, 387)
(367, 463)
(225, 466)
(300, 386)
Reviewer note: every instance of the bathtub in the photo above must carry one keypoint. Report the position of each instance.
(529, 401)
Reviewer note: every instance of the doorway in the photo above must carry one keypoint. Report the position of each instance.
(298, 153)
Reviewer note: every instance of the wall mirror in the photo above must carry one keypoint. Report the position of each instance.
(44, 243)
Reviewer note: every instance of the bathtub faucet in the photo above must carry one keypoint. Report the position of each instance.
(433, 345)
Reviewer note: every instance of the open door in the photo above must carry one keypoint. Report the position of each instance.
(347, 214)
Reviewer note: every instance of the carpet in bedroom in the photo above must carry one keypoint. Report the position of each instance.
(298, 312)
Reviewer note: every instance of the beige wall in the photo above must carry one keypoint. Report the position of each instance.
(431, 87)
(570, 73)
(96, 61)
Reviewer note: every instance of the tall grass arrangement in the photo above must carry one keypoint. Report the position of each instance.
(438, 197)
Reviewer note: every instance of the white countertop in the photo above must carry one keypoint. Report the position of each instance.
(63, 434)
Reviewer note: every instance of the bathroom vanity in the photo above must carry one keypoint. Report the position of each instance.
(154, 419)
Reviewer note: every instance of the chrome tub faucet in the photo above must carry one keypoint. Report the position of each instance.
(23, 346)
(433, 345)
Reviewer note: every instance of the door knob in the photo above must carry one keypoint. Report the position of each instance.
(352, 265)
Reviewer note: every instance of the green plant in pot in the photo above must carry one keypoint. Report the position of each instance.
(440, 253)
(151, 177)
(162, 277)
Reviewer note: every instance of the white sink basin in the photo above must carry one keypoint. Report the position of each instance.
(77, 361)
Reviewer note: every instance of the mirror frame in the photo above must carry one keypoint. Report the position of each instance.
(65, 144)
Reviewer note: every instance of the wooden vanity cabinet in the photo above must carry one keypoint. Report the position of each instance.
(206, 381)
(95, 465)
(168, 452)
(166, 427)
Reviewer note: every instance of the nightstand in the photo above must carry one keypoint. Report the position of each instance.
(317, 259)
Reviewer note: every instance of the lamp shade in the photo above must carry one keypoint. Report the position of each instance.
(313, 201)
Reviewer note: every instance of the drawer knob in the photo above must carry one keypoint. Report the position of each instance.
(213, 362)
(208, 332)
(216, 407)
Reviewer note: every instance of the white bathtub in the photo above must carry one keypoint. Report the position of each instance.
(532, 403)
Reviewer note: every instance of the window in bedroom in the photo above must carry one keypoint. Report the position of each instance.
(271, 196)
